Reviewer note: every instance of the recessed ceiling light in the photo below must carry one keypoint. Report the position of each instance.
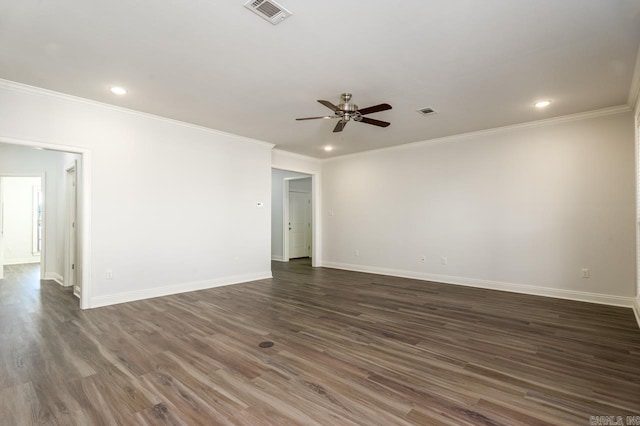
(328, 148)
(118, 90)
(542, 104)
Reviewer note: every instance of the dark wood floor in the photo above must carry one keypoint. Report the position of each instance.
(349, 348)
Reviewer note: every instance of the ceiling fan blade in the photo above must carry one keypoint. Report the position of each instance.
(340, 126)
(329, 105)
(315, 118)
(374, 122)
(375, 108)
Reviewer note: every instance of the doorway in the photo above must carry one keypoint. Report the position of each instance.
(21, 221)
(293, 203)
(23, 157)
(299, 224)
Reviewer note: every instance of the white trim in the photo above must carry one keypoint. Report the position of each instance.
(634, 88)
(35, 190)
(43, 217)
(294, 156)
(637, 197)
(50, 93)
(285, 220)
(54, 276)
(42, 144)
(278, 258)
(603, 299)
(316, 220)
(68, 270)
(636, 309)
(23, 260)
(505, 129)
(131, 296)
(85, 228)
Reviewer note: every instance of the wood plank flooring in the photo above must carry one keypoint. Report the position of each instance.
(349, 349)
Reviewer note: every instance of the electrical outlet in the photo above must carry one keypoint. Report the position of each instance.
(585, 273)
(443, 260)
(423, 259)
(109, 274)
(356, 252)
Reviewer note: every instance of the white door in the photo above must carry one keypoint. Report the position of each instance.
(299, 224)
(71, 227)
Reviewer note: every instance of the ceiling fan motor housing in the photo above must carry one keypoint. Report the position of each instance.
(345, 105)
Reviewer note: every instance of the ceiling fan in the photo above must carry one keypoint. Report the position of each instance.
(346, 111)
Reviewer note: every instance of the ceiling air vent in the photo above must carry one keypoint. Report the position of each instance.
(268, 9)
(427, 111)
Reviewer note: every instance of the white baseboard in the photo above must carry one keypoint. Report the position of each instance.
(603, 299)
(636, 308)
(54, 276)
(113, 299)
(278, 259)
(22, 261)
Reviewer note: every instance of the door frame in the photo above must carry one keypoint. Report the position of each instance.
(84, 206)
(315, 216)
(68, 270)
(43, 183)
(285, 215)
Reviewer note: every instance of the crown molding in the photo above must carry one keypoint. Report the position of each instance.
(24, 88)
(496, 130)
(634, 89)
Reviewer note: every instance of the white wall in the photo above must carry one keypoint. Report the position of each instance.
(18, 219)
(508, 209)
(174, 206)
(277, 196)
(21, 161)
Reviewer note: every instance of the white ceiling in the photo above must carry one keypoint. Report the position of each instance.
(480, 64)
